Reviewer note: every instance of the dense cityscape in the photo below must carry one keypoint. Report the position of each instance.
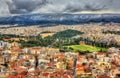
(80, 51)
(59, 38)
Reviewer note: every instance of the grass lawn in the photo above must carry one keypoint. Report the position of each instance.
(87, 48)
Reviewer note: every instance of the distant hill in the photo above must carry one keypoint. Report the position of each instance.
(67, 34)
(57, 19)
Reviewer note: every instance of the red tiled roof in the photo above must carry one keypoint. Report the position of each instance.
(67, 76)
(87, 69)
(80, 69)
(22, 76)
(6, 39)
(101, 53)
(69, 72)
(13, 66)
(52, 75)
(81, 57)
(60, 55)
(103, 77)
(17, 49)
(17, 76)
(10, 76)
(78, 65)
(91, 59)
(36, 48)
(45, 74)
(58, 73)
(50, 64)
(23, 60)
(1, 49)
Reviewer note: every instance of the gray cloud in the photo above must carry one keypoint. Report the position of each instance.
(4, 8)
(59, 6)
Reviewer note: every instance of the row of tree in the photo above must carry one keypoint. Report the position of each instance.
(63, 38)
(111, 32)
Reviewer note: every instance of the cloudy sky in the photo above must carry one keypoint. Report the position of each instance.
(11, 7)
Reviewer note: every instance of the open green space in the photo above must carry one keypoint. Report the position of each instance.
(86, 48)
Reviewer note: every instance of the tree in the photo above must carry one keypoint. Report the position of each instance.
(71, 48)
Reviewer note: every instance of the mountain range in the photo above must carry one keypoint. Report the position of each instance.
(56, 19)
